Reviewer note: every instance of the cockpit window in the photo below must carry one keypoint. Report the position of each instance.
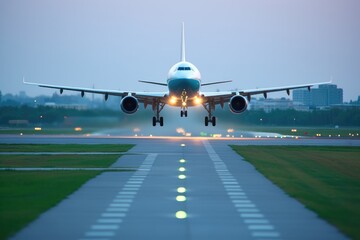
(184, 69)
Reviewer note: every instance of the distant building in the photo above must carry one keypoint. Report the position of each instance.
(66, 106)
(271, 104)
(324, 96)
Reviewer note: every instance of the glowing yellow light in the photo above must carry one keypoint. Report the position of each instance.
(182, 176)
(183, 104)
(37, 129)
(180, 215)
(181, 190)
(180, 130)
(182, 169)
(182, 160)
(230, 130)
(180, 198)
(197, 100)
(78, 129)
(173, 100)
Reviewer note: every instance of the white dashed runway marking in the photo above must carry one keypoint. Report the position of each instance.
(256, 222)
(110, 220)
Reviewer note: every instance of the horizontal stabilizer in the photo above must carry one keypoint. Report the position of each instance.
(213, 83)
(155, 83)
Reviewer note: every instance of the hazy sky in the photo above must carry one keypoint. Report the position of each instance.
(113, 44)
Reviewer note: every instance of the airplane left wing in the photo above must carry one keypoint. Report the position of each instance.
(264, 91)
(221, 97)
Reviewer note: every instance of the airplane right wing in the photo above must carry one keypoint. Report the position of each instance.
(143, 97)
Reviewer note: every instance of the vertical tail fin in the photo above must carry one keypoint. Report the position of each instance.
(183, 43)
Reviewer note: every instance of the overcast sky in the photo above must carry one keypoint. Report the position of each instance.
(113, 44)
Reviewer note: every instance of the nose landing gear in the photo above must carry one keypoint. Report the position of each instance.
(184, 99)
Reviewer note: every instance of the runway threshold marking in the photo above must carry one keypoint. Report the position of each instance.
(115, 213)
(255, 221)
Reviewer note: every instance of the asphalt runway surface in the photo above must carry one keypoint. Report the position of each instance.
(184, 188)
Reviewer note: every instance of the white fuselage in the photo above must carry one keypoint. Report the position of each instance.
(184, 76)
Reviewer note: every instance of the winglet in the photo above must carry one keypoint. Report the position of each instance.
(183, 43)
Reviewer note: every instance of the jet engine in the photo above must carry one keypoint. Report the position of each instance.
(238, 104)
(129, 104)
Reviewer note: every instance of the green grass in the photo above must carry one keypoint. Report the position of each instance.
(65, 147)
(46, 131)
(324, 179)
(61, 161)
(25, 195)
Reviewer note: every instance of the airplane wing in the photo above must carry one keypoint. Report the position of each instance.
(143, 97)
(221, 97)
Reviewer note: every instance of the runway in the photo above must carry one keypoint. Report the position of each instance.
(184, 189)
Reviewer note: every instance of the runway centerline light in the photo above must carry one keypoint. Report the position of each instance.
(181, 190)
(182, 176)
(182, 160)
(180, 198)
(182, 169)
(180, 215)
(182, 145)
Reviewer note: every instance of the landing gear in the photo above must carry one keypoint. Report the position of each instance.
(157, 108)
(210, 118)
(184, 99)
(183, 113)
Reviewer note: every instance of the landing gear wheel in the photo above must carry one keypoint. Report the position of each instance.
(154, 121)
(185, 113)
(161, 121)
(181, 113)
(213, 121)
(206, 121)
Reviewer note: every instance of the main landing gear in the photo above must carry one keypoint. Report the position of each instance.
(157, 108)
(210, 118)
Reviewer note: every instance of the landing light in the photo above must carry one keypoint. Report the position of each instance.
(197, 100)
(183, 104)
(172, 100)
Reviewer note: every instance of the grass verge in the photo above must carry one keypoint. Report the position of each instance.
(65, 147)
(60, 161)
(25, 195)
(325, 179)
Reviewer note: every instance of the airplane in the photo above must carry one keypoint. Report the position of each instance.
(183, 83)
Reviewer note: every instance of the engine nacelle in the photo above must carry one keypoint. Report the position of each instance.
(238, 104)
(129, 104)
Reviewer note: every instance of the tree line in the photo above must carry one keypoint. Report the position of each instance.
(51, 115)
